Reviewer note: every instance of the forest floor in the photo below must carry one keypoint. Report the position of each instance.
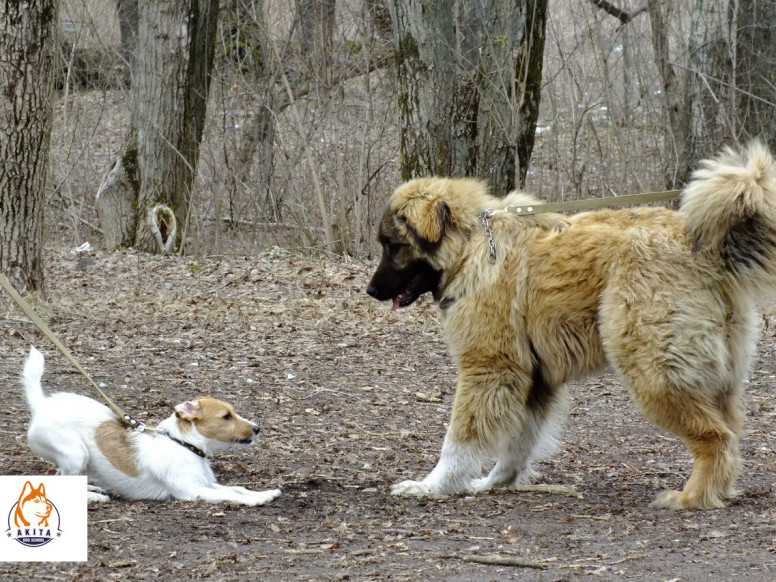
(352, 397)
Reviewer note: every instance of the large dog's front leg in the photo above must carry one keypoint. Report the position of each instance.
(486, 410)
(459, 465)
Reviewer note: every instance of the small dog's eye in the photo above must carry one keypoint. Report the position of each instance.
(227, 416)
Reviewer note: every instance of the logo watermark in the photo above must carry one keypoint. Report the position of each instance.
(45, 518)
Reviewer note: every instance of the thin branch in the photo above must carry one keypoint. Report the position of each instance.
(612, 10)
(723, 83)
(500, 560)
(327, 230)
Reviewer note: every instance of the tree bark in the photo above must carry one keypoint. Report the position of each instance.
(128, 25)
(469, 76)
(674, 95)
(171, 81)
(755, 70)
(27, 41)
(711, 87)
(316, 36)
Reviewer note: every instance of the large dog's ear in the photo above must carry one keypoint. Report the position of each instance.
(431, 221)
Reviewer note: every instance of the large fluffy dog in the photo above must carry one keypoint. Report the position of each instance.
(663, 297)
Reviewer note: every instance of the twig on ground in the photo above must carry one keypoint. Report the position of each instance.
(499, 560)
(568, 490)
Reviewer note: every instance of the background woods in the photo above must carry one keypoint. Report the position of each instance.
(308, 121)
(209, 127)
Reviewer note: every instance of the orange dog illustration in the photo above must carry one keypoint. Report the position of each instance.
(32, 507)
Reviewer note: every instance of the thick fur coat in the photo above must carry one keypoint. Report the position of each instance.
(666, 298)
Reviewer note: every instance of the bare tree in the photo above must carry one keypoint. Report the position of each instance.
(674, 95)
(128, 24)
(469, 76)
(281, 74)
(756, 69)
(144, 199)
(725, 89)
(27, 39)
(316, 34)
(711, 96)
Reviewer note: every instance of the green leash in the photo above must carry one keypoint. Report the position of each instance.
(595, 203)
(36, 319)
(577, 205)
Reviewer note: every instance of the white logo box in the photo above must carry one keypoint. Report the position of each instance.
(43, 518)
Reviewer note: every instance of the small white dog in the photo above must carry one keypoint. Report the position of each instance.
(83, 437)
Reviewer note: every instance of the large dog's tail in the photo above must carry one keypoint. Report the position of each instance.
(730, 210)
(31, 376)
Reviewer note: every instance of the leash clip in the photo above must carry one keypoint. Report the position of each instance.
(135, 424)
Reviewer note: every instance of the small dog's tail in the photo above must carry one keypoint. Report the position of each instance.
(730, 210)
(31, 376)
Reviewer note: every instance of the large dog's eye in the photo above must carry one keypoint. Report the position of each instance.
(227, 416)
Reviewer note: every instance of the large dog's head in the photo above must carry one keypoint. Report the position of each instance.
(418, 232)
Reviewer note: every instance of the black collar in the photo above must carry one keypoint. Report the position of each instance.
(192, 448)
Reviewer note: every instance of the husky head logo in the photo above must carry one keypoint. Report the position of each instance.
(28, 520)
(33, 509)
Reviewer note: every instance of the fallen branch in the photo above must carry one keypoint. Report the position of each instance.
(568, 490)
(501, 560)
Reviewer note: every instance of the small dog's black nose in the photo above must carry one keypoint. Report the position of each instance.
(371, 290)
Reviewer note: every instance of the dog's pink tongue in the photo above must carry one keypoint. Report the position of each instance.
(396, 304)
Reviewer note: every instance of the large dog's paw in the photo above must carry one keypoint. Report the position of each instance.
(481, 485)
(262, 497)
(681, 500)
(411, 489)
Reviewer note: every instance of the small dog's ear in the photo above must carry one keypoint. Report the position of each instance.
(189, 410)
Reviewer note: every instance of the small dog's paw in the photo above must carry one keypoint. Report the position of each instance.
(94, 497)
(411, 489)
(262, 497)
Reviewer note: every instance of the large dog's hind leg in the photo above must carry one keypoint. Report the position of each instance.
(710, 430)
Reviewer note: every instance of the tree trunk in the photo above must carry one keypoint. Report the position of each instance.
(27, 41)
(727, 92)
(173, 60)
(755, 70)
(128, 24)
(316, 35)
(711, 88)
(258, 135)
(469, 76)
(676, 122)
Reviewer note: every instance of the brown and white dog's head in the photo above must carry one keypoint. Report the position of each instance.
(421, 233)
(212, 424)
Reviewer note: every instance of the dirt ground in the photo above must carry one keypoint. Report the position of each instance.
(352, 397)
